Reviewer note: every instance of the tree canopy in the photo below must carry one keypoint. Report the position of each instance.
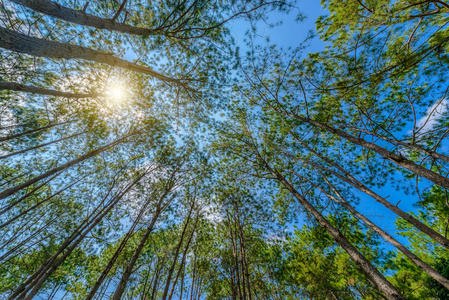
(148, 151)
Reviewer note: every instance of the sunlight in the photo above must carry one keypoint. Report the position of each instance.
(117, 93)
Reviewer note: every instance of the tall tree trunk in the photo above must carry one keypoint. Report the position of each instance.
(16, 247)
(37, 279)
(194, 271)
(156, 281)
(235, 256)
(391, 156)
(40, 203)
(175, 256)
(14, 86)
(21, 186)
(415, 147)
(360, 186)
(421, 264)
(55, 10)
(243, 253)
(57, 263)
(18, 42)
(39, 146)
(14, 203)
(238, 245)
(129, 268)
(183, 259)
(182, 282)
(14, 136)
(113, 259)
(370, 271)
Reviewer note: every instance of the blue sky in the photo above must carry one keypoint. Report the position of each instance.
(289, 32)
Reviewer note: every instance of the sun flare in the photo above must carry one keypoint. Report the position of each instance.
(117, 93)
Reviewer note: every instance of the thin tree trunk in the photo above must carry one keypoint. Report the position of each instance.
(238, 243)
(393, 157)
(40, 203)
(39, 146)
(19, 187)
(243, 253)
(55, 265)
(14, 86)
(14, 136)
(114, 258)
(38, 278)
(15, 248)
(11, 205)
(124, 280)
(175, 259)
(415, 147)
(235, 254)
(360, 186)
(370, 271)
(422, 265)
(156, 280)
(18, 42)
(120, 9)
(184, 255)
(194, 271)
(182, 282)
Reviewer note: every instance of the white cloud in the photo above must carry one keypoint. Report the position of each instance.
(433, 113)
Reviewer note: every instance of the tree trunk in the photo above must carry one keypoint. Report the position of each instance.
(370, 271)
(124, 280)
(14, 203)
(40, 203)
(184, 255)
(17, 188)
(393, 157)
(14, 86)
(39, 146)
(113, 259)
(175, 259)
(10, 137)
(415, 147)
(38, 278)
(235, 256)
(243, 254)
(55, 10)
(360, 186)
(422, 265)
(18, 42)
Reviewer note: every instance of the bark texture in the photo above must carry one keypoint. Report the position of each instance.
(18, 42)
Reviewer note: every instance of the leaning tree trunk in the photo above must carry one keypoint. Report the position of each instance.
(360, 186)
(183, 259)
(113, 259)
(391, 156)
(416, 260)
(129, 268)
(373, 275)
(55, 10)
(431, 153)
(18, 42)
(17, 135)
(14, 86)
(36, 280)
(40, 146)
(19, 187)
(178, 247)
(40, 203)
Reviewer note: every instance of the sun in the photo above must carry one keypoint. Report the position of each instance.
(117, 93)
